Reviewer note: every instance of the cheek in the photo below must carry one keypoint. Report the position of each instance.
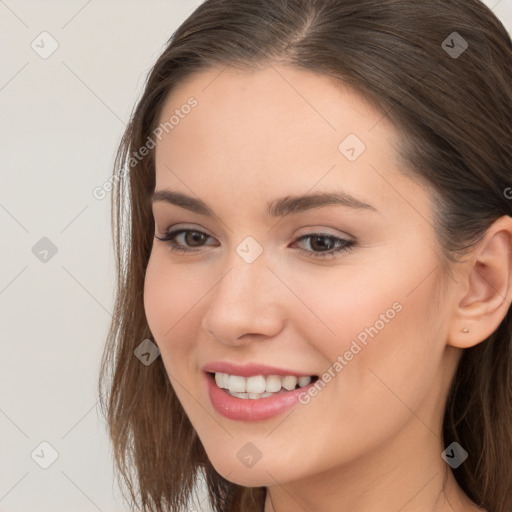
(169, 293)
(386, 320)
(156, 298)
(170, 300)
(398, 344)
(340, 305)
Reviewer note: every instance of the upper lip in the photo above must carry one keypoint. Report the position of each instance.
(250, 369)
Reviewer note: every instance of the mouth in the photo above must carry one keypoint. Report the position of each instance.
(259, 386)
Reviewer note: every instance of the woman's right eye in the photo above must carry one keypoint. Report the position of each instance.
(169, 239)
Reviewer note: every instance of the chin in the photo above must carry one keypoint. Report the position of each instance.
(259, 475)
(246, 478)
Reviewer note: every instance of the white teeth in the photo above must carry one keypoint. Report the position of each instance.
(304, 381)
(273, 384)
(236, 384)
(240, 395)
(258, 386)
(219, 379)
(289, 382)
(222, 380)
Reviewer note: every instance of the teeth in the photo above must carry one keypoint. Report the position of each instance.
(273, 384)
(289, 382)
(219, 379)
(258, 386)
(240, 395)
(222, 380)
(236, 384)
(304, 381)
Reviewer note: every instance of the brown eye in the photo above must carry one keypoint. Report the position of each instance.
(192, 238)
(195, 238)
(321, 248)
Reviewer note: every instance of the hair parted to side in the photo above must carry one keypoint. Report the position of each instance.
(454, 116)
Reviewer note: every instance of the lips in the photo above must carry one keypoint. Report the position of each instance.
(257, 407)
(251, 369)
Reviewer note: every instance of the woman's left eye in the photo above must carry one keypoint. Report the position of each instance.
(192, 237)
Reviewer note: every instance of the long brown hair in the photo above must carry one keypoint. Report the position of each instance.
(451, 104)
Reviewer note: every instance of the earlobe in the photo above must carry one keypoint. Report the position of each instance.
(487, 287)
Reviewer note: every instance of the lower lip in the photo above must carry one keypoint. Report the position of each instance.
(251, 409)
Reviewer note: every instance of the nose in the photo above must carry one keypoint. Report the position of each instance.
(246, 304)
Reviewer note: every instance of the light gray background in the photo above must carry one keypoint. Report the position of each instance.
(61, 121)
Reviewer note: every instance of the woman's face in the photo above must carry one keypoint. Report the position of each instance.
(262, 287)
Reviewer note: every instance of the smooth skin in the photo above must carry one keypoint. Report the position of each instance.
(370, 440)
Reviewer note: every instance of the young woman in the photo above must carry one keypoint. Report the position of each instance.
(313, 220)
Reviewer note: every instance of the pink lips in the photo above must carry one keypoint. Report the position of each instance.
(250, 409)
(249, 369)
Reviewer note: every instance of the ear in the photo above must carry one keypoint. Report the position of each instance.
(485, 287)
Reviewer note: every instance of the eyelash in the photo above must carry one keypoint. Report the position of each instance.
(347, 244)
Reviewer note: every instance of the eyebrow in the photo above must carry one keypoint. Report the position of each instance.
(281, 207)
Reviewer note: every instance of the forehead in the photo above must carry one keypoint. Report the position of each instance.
(277, 94)
(276, 131)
